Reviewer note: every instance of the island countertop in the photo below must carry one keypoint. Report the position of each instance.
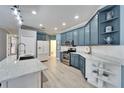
(10, 68)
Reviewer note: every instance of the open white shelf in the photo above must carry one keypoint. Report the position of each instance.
(107, 75)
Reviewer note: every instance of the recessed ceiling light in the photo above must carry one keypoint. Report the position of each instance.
(76, 17)
(63, 23)
(41, 25)
(55, 28)
(34, 12)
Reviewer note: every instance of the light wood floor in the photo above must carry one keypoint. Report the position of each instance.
(60, 75)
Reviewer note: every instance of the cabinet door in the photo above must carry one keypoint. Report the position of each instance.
(87, 35)
(94, 30)
(69, 36)
(61, 56)
(75, 37)
(81, 36)
(72, 60)
(82, 64)
(63, 38)
(76, 64)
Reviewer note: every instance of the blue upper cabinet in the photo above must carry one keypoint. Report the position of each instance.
(75, 37)
(63, 38)
(94, 30)
(81, 36)
(69, 36)
(106, 27)
(109, 25)
(42, 36)
(87, 34)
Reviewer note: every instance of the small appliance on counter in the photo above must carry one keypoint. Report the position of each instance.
(67, 43)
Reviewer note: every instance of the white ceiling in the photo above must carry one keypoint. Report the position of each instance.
(49, 15)
(7, 20)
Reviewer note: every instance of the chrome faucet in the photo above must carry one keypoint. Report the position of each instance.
(18, 49)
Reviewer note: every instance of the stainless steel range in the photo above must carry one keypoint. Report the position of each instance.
(66, 56)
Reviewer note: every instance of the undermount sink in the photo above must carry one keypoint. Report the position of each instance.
(26, 57)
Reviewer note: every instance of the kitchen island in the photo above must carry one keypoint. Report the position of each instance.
(21, 74)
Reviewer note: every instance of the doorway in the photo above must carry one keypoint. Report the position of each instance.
(53, 48)
(11, 44)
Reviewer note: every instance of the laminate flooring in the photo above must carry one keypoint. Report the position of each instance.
(60, 75)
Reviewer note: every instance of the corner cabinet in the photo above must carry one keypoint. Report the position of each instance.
(94, 30)
(81, 36)
(87, 35)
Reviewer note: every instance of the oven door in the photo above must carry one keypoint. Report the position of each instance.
(66, 58)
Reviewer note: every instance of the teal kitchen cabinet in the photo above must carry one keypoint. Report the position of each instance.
(75, 60)
(112, 22)
(82, 64)
(69, 36)
(63, 38)
(87, 35)
(75, 37)
(72, 60)
(81, 36)
(42, 36)
(94, 30)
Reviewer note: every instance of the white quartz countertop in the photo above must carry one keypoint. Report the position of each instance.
(10, 68)
(99, 58)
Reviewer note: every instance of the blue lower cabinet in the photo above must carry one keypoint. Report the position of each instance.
(122, 76)
(78, 62)
(75, 60)
(72, 59)
(82, 65)
(61, 56)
